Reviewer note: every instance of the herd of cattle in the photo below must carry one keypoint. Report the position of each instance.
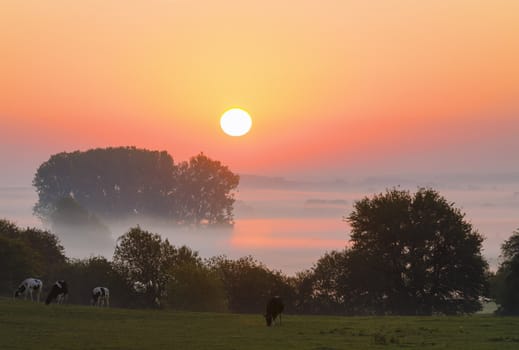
(101, 297)
(32, 287)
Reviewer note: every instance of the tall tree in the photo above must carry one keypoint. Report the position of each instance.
(145, 259)
(414, 254)
(508, 277)
(109, 182)
(28, 252)
(205, 191)
(129, 182)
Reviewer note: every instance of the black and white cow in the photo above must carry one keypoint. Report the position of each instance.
(275, 307)
(101, 296)
(28, 287)
(59, 292)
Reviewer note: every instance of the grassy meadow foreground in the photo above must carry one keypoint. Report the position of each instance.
(24, 325)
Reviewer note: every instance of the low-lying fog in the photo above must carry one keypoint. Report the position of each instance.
(288, 225)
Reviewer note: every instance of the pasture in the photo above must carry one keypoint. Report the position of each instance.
(25, 325)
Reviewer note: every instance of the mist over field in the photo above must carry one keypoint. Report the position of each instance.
(288, 224)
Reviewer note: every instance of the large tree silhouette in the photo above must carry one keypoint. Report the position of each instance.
(411, 254)
(508, 277)
(109, 182)
(126, 181)
(26, 252)
(144, 258)
(204, 191)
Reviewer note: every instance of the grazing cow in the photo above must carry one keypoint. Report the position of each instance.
(100, 296)
(28, 286)
(275, 307)
(59, 292)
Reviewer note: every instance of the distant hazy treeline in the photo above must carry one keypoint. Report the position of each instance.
(81, 187)
(409, 253)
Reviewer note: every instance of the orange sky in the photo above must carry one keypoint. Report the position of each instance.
(335, 85)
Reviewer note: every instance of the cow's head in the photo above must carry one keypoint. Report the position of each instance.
(19, 291)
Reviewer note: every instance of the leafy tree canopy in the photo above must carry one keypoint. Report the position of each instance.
(127, 181)
(249, 284)
(508, 277)
(27, 252)
(320, 290)
(193, 286)
(419, 252)
(204, 191)
(510, 248)
(144, 258)
(411, 254)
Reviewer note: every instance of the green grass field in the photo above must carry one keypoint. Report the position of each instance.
(25, 325)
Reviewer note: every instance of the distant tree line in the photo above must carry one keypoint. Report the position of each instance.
(409, 254)
(145, 272)
(130, 182)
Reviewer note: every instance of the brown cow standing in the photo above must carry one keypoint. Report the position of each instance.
(275, 307)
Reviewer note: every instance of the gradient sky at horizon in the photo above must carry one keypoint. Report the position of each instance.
(333, 87)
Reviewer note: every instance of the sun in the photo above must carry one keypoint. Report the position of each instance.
(236, 122)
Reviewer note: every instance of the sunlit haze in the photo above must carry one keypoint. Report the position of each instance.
(347, 98)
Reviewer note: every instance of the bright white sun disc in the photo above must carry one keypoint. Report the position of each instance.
(236, 122)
